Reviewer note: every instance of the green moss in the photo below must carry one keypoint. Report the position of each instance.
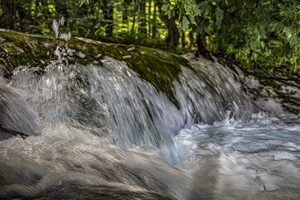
(22, 49)
(157, 67)
(273, 84)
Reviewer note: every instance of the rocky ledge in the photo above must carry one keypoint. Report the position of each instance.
(272, 93)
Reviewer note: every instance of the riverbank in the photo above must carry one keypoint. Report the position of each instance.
(271, 93)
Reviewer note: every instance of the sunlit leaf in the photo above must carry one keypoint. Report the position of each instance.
(192, 19)
(120, 8)
(184, 23)
(254, 45)
(219, 14)
(197, 11)
(293, 40)
(277, 26)
(165, 7)
(204, 7)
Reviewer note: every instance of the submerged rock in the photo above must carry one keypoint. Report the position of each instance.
(273, 96)
(16, 118)
(6, 133)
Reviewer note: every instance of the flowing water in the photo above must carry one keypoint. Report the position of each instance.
(102, 132)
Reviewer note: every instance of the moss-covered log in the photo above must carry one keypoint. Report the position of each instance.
(157, 67)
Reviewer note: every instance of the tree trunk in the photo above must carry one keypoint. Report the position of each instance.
(62, 9)
(149, 18)
(183, 39)
(133, 24)
(154, 30)
(25, 17)
(173, 32)
(202, 46)
(142, 17)
(135, 9)
(125, 13)
(8, 13)
(201, 40)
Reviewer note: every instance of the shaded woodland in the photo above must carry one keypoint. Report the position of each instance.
(132, 22)
(262, 34)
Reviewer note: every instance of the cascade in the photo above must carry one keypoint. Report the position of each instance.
(102, 130)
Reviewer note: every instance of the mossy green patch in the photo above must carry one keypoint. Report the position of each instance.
(270, 82)
(273, 84)
(157, 67)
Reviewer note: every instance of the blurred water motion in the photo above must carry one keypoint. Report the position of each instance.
(103, 133)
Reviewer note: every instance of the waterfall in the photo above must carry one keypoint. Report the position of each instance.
(100, 130)
(114, 103)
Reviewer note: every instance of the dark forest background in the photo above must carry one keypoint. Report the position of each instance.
(132, 22)
(262, 34)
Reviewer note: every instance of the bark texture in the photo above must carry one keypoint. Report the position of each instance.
(173, 32)
(202, 46)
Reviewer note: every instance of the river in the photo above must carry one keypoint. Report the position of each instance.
(102, 132)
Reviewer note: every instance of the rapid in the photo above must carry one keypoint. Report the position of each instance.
(99, 131)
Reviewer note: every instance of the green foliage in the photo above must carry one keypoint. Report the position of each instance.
(263, 32)
(87, 18)
(84, 1)
(184, 11)
(125, 37)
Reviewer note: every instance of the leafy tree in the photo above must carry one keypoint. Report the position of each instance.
(262, 33)
(173, 32)
(154, 25)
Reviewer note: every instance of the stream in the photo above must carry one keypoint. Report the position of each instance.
(102, 132)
